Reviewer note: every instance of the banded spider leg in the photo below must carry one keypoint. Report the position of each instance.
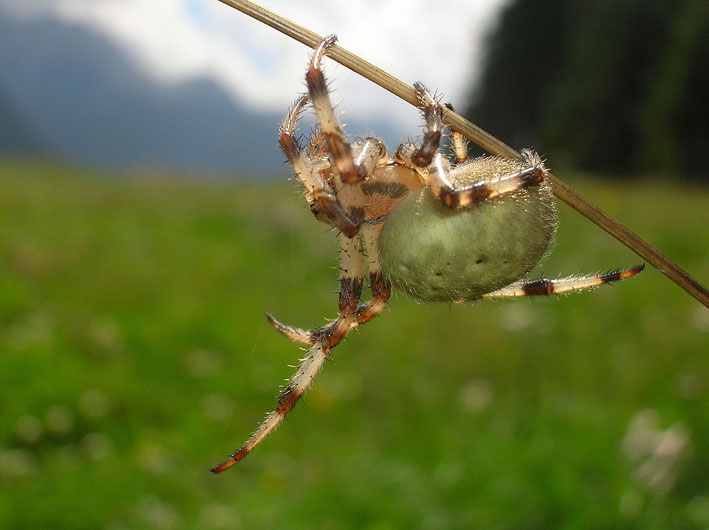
(328, 190)
(440, 180)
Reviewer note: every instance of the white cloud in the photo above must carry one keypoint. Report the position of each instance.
(175, 40)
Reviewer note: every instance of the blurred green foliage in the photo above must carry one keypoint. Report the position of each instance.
(134, 355)
(616, 86)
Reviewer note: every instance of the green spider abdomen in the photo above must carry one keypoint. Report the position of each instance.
(437, 253)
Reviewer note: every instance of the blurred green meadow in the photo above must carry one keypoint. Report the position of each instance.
(134, 355)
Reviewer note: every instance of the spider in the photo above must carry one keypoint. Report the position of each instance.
(440, 230)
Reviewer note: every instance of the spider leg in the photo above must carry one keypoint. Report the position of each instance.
(304, 336)
(380, 284)
(381, 292)
(351, 275)
(458, 197)
(546, 287)
(460, 143)
(318, 191)
(438, 167)
(347, 165)
(291, 147)
(433, 115)
(404, 155)
(338, 147)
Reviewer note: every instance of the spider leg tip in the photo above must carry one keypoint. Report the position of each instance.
(633, 271)
(275, 322)
(223, 466)
(233, 459)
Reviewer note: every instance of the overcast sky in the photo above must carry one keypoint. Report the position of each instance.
(174, 40)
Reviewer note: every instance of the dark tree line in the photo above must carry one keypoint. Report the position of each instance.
(616, 86)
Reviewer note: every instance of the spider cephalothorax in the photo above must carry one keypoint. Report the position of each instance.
(438, 229)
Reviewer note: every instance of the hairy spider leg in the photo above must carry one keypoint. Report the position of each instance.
(546, 287)
(439, 169)
(460, 143)
(380, 286)
(403, 156)
(346, 167)
(460, 197)
(318, 191)
(351, 278)
(364, 156)
(291, 147)
(304, 336)
(337, 145)
(433, 116)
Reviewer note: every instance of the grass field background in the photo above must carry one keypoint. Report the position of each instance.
(134, 354)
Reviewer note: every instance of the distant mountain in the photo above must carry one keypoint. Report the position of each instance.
(68, 91)
(16, 138)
